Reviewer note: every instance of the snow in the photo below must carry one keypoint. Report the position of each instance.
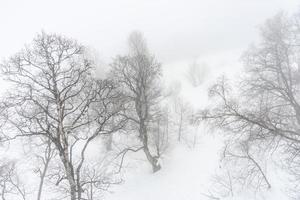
(184, 175)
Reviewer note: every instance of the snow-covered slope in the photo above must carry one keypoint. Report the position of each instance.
(187, 174)
(184, 176)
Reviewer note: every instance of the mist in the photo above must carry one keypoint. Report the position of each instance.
(136, 99)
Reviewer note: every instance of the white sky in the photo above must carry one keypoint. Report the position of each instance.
(178, 31)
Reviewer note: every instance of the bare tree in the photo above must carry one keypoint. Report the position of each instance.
(160, 132)
(196, 73)
(239, 169)
(97, 178)
(48, 153)
(138, 74)
(55, 96)
(222, 186)
(11, 187)
(183, 112)
(251, 173)
(264, 111)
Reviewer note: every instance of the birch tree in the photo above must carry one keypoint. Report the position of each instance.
(138, 74)
(264, 110)
(55, 95)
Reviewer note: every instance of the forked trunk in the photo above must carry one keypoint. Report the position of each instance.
(152, 159)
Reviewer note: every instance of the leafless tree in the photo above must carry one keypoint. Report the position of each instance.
(160, 132)
(251, 172)
(264, 111)
(196, 73)
(183, 112)
(138, 73)
(238, 171)
(222, 186)
(98, 178)
(48, 152)
(10, 184)
(56, 96)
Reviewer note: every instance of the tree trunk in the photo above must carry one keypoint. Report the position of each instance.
(42, 180)
(153, 160)
(72, 190)
(70, 176)
(71, 183)
(180, 127)
(298, 114)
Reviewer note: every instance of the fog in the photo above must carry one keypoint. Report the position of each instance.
(149, 123)
(177, 30)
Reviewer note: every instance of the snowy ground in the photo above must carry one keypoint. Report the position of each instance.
(186, 175)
